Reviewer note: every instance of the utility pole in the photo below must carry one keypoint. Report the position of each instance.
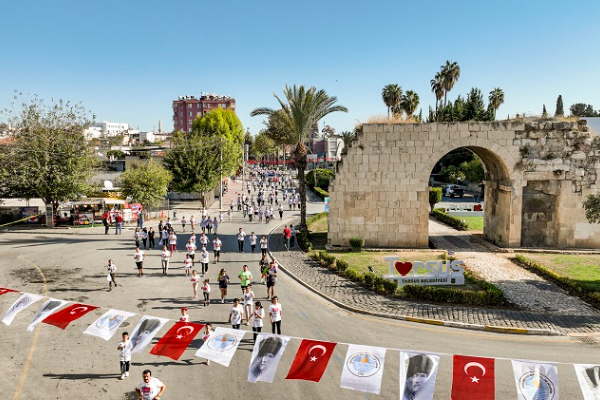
(221, 173)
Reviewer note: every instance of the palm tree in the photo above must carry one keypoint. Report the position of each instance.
(303, 108)
(410, 102)
(392, 96)
(437, 87)
(496, 98)
(450, 74)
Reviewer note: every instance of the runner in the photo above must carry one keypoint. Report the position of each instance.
(236, 314)
(264, 245)
(195, 281)
(173, 242)
(217, 249)
(245, 277)
(184, 315)
(191, 251)
(204, 260)
(229, 214)
(187, 264)
(208, 224)
(203, 240)
(248, 300)
(164, 257)
(263, 264)
(151, 234)
(275, 315)
(183, 223)
(164, 237)
(253, 241)
(215, 225)
(112, 268)
(192, 222)
(203, 224)
(220, 217)
(206, 336)
(125, 355)
(139, 260)
(206, 292)
(137, 236)
(240, 237)
(258, 314)
(223, 282)
(271, 279)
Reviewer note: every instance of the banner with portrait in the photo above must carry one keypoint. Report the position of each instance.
(417, 375)
(266, 355)
(144, 332)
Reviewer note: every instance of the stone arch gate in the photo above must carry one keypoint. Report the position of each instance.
(537, 175)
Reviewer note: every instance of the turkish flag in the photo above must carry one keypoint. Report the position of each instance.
(176, 340)
(473, 378)
(61, 319)
(311, 360)
(5, 290)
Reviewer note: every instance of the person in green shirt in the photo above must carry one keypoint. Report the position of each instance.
(245, 278)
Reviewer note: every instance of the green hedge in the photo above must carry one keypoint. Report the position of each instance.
(357, 241)
(449, 220)
(320, 192)
(573, 287)
(316, 217)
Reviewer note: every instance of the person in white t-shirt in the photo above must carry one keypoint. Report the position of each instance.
(263, 245)
(149, 388)
(164, 257)
(203, 240)
(248, 300)
(195, 278)
(204, 260)
(139, 260)
(240, 237)
(275, 315)
(125, 355)
(187, 264)
(217, 248)
(191, 251)
(253, 239)
(236, 314)
(258, 315)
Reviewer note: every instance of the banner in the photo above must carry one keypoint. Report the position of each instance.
(48, 308)
(176, 340)
(417, 375)
(535, 381)
(473, 378)
(588, 376)
(311, 360)
(266, 355)
(61, 319)
(24, 301)
(5, 290)
(106, 326)
(144, 332)
(363, 368)
(221, 345)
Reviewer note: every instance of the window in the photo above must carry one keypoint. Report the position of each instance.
(181, 113)
(190, 114)
(189, 105)
(180, 121)
(189, 121)
(198, 105)
(222, 106)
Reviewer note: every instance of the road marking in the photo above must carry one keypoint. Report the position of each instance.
(320, 335)
(35, 335)
(339, 360)
(303, 315)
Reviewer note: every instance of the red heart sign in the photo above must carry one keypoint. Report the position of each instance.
(403, 267)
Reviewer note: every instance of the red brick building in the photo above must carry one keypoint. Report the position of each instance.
(187, 108)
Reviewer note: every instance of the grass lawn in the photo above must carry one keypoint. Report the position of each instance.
(473, 223)
(583, 268)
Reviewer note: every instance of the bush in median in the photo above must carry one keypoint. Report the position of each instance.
(449, 220)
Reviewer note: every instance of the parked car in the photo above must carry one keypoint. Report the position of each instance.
(453, 191)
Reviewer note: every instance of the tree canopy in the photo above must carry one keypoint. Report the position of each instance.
(146, 183)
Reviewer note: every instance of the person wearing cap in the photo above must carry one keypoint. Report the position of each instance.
(417, 374)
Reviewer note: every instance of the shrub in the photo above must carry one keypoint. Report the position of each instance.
(324, 176)
(321, 193)
(327, 258)
(435, 196)
(316, 217)
(357, 242)
(304, 241)
(390, 286)
(368, 279)
(449, 220)
(341, 265)
(492, 296)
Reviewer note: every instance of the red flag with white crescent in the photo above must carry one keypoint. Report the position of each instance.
(311, 360)
(473, 378)
(5, 290)
(61, 319)
(176, 340)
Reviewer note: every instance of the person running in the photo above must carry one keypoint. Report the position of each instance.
(145, 237)
(183, 223)
(112, 268)
(125, 348)
(258, 314)
(203, 240)
(264, 244)
(173, 242)
(240, 237)
(223, 282)
(193, 238)
(217, 248)
(215, 225)
(206, 292)
(236, 314)
(137, 236)
(164, 259)
(191, 251)
(260, 215)
(221, 217)
(275, 315)
(280, 209)
(203, 224)
(229, 215)
(271, 279)
(192, 222)
(164, 237)
(139, 260)
(209, 225)
(263, 264)
(253, 239)
(184, 315)
(195, 278)
(245, 277)
(248, 300)
(187, 264)
(151, 234)
(206, 336)
(204, 260)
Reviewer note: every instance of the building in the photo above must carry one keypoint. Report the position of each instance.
(106, 129)
(187, 108)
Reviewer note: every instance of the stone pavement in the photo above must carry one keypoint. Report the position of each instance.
(548, 309)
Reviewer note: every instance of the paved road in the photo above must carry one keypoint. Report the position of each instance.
(68, 364)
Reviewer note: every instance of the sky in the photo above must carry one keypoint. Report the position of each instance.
(127, 60)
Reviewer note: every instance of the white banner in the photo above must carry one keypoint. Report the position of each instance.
(22, 303)
(144, 332)
(588, 376)
(49, 307)
(363, 368)
(535, 380)
(221, 345)
(106, 326)
(417, 375)
(266, 355)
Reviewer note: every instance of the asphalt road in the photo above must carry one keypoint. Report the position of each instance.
(55, 364)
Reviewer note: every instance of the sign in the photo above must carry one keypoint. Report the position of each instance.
(327, 204)
(31, 213)
(425, 272)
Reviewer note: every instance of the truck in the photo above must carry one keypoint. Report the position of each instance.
(453, 191)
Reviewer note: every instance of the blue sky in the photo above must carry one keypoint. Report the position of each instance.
(127, 60)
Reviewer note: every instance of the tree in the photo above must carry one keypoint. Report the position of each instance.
(450, 73)
(248, 140)
(473, 170)
(392, 96)
(347, 137)
(263, 144)
(544, 112)
(48, 155)
(301, 109)
(410, 102)
(474, 108)
(146, 183)
(560, 112)
(496, 98)
(592, 208)
(435, 196)
(451, 174)
(328, 131)
(437, 87)
(583, 110)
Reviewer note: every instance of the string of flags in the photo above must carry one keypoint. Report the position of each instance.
(473, 378)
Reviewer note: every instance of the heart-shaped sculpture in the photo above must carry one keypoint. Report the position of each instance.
(403, 267)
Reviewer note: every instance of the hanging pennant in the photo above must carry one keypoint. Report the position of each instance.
(61, 319)
(221, 345)
(311, 360)
(417, 375)
(535, 380)
(106, 326)
(50, 306)
(24, 301)
(473, 378)
(266, 355)
(5, 290)
(588, 376)
(363, 368)
(176, 340)
(144, 332)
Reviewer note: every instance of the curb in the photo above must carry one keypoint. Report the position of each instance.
(451, 324)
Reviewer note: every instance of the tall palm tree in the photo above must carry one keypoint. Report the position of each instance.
(301, 109)
(392, 96)
(450, 74)
(410, 102)
(437, 87)
(496, 99)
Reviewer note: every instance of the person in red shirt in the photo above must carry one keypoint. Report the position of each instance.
(118, 224)
(287, 235)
